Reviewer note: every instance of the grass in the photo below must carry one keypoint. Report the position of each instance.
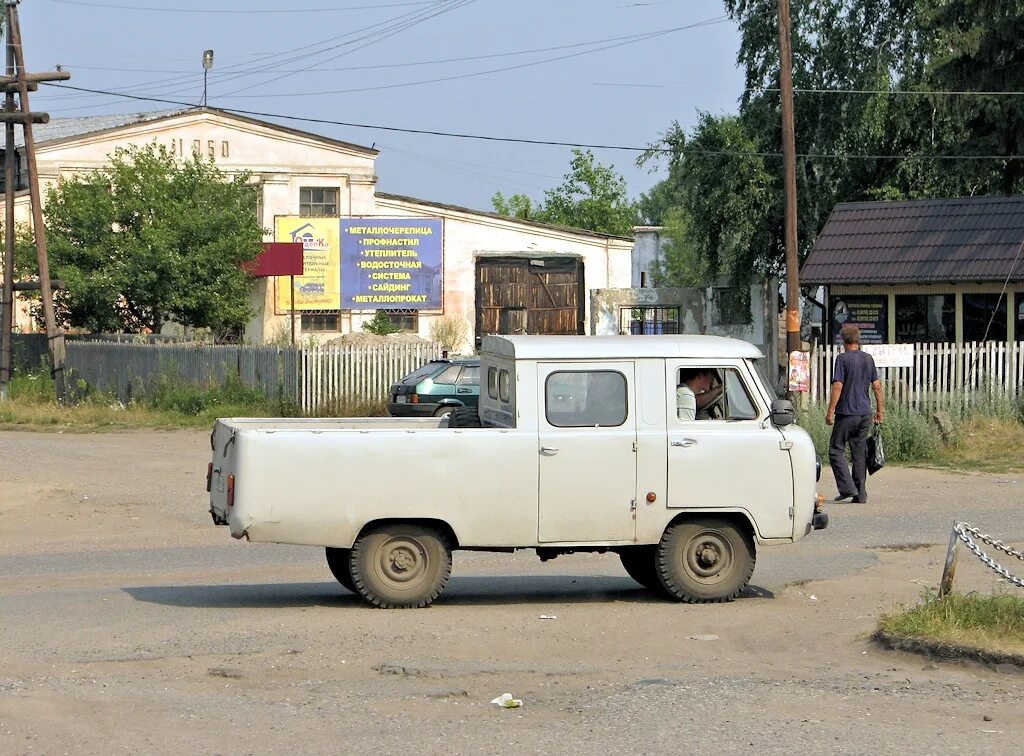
(33, 406)
(987, 434)
(966, 621)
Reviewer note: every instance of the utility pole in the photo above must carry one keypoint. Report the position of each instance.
(789, 178)
(18, 81)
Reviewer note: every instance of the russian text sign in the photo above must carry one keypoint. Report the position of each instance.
(391, 263)
(318, 288)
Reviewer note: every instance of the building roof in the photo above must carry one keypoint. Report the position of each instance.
(61, 129)
(921, 241)
(458, 209)
(618, 347)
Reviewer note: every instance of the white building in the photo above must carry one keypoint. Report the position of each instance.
(493, 273)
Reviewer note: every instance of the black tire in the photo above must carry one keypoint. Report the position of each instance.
(706, 560)
(641, 564)
(401, 565)
(338, 561)
(464, 417)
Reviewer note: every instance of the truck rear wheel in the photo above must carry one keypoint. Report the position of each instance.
(706, 560)
(338, 561)
(641, 564)
(400, 565)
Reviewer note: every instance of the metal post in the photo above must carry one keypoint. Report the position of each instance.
(291, 311)
(789, 178)
(7, 304)
(54, 338)
(949, 569)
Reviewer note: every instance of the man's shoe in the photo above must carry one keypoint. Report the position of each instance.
(859, 500)
(844, 497)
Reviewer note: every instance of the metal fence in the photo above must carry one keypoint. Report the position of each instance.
(943, 375)
(133, 371)
(334, 376)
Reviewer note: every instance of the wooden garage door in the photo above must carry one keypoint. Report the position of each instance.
(537, 295)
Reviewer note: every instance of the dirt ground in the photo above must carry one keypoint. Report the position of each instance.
(129, 623)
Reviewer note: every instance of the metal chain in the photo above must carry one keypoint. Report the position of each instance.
(993, 542)
(964, 530)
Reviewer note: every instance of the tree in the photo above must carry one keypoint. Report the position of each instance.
(592, 196)
(873, 120)
(149, 240)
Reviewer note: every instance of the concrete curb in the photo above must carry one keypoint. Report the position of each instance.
(944, 650)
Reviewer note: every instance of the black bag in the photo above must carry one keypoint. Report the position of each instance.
(876, 452)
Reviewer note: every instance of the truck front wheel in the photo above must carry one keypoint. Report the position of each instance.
(705, 560)
(338, 561)
(400, 565)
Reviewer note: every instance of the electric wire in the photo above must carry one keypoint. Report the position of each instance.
(542, 142)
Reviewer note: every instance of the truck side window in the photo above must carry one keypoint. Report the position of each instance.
(713, 394)
(492, 382)
(741, 407)
(586, 399)
(504, 392)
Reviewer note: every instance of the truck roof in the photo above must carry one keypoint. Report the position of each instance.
(617, 347)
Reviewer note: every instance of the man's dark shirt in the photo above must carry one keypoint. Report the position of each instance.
(856, 370)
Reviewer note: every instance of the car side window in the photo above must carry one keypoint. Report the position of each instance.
(470, 376)
(492, 382)
(450, 376)
(710, 393)
(586, 399)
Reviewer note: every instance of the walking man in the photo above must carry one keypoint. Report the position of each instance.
(849, 414)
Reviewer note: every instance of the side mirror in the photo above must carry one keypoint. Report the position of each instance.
(783, 413)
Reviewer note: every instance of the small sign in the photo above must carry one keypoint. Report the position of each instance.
(799, 371)
(891, 355)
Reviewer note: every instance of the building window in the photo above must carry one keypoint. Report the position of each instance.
(925, 318)
(649, 320)
(404, 320)
(321, 322)
(318, 200)
(984, 317)
(733, 305)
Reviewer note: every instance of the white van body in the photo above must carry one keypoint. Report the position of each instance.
(554, 466)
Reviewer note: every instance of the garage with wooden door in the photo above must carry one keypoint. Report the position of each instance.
(529, 295)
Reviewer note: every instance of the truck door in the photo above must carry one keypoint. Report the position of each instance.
(586, 446)
(729, 455)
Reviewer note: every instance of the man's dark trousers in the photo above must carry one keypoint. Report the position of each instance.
(852, 430)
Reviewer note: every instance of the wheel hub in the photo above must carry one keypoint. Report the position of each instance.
(708, 556)
(403, 560)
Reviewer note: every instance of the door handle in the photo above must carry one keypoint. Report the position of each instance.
(686, 443)
(549, 450)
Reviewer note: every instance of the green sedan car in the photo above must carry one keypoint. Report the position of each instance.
(436, 389)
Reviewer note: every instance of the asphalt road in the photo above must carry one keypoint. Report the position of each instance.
(128, 622)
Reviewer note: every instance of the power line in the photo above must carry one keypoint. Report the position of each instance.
(542, 142)
(291, 11)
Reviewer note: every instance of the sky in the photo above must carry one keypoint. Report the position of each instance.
(601, 72)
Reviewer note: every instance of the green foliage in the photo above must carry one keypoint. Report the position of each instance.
(994, 623)
(726, 174)
(194, 400)
(592, 197)
(150, 239)
(515, 206)
(908, 435)
(380, 324)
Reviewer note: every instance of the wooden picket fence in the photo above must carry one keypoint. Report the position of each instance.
(942, 376)
(335, 376)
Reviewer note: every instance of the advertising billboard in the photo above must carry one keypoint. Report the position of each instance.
(391, 263)
(869, 313)
(319, 286)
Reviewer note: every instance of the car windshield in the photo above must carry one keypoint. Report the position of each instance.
(420, 373)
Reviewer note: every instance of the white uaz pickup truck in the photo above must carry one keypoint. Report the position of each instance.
(578, 446)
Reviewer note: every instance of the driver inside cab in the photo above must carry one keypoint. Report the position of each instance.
(695, 392)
